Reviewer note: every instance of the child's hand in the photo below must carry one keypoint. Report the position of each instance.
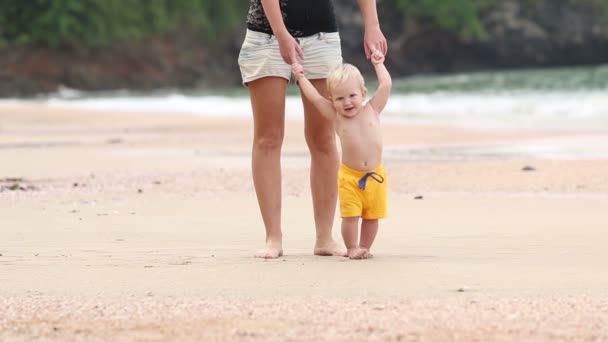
(298, 70)
(377, 57)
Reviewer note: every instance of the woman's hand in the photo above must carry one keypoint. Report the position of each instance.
(290, 49)
(374, 40)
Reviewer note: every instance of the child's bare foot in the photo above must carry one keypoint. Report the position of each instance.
(330, 248)
(357, 253)
(271, 251)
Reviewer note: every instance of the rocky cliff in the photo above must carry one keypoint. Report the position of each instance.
(519, 34)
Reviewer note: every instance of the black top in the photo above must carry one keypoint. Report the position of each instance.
(301, 17)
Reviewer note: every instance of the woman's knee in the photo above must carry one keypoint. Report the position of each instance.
(268, 140)
(322, 142)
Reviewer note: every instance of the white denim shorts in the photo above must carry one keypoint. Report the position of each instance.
(260, 56)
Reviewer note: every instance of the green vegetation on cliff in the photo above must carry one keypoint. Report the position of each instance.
(461, 16)
(98, 22)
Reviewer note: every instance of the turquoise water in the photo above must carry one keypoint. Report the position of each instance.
(573, 98)
(574, 79)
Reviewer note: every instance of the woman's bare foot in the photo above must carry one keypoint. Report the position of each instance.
(329, 249)
(357, 253)
(272, 250)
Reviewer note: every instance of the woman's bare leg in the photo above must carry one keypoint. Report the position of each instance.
(350, 230)
(321, 140)
(369, 229)
(268, 103)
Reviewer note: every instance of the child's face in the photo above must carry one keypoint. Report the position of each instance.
(347, 98)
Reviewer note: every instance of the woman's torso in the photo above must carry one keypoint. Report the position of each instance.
(301, 17)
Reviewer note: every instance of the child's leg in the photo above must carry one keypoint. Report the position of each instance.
(369, 229)
(350, 228)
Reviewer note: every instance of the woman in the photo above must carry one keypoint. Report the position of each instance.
(278, 33)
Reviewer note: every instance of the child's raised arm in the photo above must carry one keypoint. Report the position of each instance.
(380, 98)
(311, 93)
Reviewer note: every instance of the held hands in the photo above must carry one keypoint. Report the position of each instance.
(298, 71)
(377, 57)
(374, 40)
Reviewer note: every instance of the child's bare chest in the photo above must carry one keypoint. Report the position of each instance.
(361, 125)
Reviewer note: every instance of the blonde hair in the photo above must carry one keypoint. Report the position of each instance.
(344, 73)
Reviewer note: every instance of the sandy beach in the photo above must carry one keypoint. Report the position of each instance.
(138, 226)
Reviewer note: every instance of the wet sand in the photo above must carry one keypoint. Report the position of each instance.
(123, 226)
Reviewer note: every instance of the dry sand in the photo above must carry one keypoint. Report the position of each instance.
(143, 226)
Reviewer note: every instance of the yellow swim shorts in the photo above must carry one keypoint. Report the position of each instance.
(362, 193)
